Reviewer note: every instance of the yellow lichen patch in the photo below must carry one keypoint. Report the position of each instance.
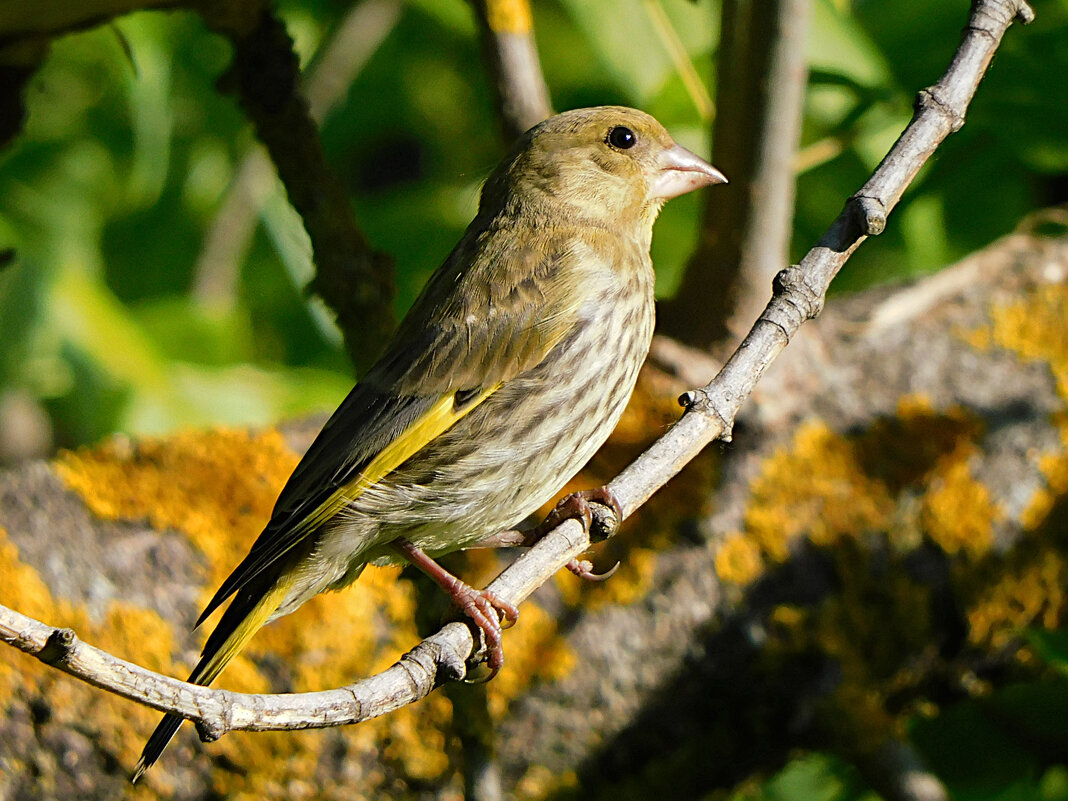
(118, 726)
(535, 652)
(908, 476)
(1029, 590)
(540, 782)
(817, 489)
(218, 487)
(344, 636)
(738, 560)
(1054, 467)
(333, 640)
(869, 629)
(1034, 328)
(22, 582)
(958, 512)
(338, 638)
(1026, 594)
(901, 450)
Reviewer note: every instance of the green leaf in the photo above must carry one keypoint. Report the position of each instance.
(975, 756)
(619, 31)
(1051, 647)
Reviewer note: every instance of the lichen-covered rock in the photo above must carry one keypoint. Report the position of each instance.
(889, 515)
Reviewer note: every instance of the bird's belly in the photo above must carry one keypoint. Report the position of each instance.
(515, 451)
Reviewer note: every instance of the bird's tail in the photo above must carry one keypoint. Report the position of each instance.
(247, 613)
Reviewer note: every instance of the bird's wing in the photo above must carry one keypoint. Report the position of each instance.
(473, 328)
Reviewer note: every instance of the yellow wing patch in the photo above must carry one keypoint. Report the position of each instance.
(266, 606)
(438, 419)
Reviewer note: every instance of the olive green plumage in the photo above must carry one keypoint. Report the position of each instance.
(509, 371)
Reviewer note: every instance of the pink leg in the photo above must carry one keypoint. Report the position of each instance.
(482, 606)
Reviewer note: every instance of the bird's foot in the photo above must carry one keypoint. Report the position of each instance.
(486, 610)
(491, 614)
(577, 506)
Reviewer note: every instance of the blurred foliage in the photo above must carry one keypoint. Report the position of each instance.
(129, 152)
(814, 777)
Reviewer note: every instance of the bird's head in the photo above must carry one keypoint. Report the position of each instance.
(610, 164)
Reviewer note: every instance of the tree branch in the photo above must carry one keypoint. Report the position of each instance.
(745, 229)
(799, 294)
(508, 48)
(355, 281)
(356, 39)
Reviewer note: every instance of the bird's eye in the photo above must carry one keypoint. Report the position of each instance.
(622, 138)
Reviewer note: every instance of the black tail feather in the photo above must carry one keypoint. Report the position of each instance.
(156, 743)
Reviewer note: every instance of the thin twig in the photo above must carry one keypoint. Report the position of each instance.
(507, 29)
(358, 36)
(355, 281)
(799, 295)
(691, 81)
(745, 229)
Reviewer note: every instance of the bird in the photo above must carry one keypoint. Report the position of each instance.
(509, 371)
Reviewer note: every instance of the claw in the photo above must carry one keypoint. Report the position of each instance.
(576, 505)
(487, 611)
(605, 497)
(492, 615)
(570, 507)
(584, 570)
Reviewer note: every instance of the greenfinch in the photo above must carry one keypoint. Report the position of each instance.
(508, 373)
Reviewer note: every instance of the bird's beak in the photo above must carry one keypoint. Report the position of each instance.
(681, 171)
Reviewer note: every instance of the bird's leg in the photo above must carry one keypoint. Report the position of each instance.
(482, 606)
(576, 505)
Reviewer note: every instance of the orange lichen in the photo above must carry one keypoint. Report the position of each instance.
(817, 488)
(738, 560)
(1034, 329)
(958, 512)
(1028, 593)
(901, 450)
(1029, 589)
(126, 631)
(826, 488)
(905, 479)
(217, 487)
(23, 582)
